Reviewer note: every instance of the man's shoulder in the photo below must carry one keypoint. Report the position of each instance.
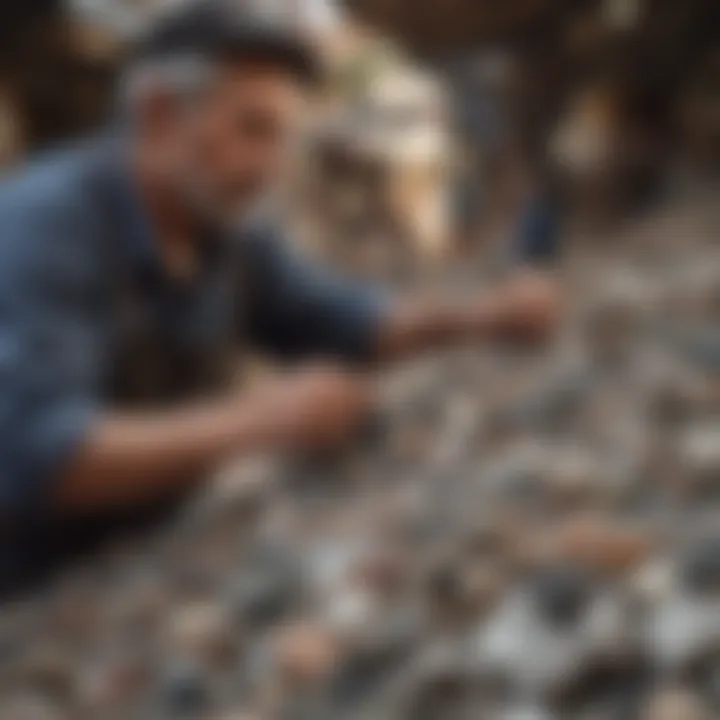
(48, 215)
(50, 185)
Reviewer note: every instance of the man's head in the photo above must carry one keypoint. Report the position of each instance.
(215, 97)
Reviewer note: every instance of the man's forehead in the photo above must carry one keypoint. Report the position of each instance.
(261, 71)
(262, 77)
(260, 85)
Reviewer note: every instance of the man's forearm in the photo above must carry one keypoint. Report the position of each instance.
(524, 310)
(128, 459)
(418, 325)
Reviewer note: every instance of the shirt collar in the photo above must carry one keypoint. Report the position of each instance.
(133, 231)
(136, 235)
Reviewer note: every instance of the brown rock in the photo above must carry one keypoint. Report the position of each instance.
(602, 544)
(573, 480)
(28, 708)
(675, 704)
(107, 686)
(383, 572)
(305, 653)
(48, 671)
(201, 629)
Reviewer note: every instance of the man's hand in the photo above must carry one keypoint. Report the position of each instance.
(525, 311)
(127, 459)
(320, 406)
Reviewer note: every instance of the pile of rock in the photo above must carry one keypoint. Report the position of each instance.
(521, 537)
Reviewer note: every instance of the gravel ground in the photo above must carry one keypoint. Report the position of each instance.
(516, 538)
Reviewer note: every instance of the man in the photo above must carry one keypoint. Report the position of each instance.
(131, 268)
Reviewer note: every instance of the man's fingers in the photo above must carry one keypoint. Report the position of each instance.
(532, 308)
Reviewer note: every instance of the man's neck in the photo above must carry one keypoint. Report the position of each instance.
(176, 230)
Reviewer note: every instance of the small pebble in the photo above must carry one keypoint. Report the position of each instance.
(201, 629)
(675, 704)
(185, 689)
(305, 653)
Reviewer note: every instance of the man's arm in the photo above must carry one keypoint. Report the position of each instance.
(135, 458)
(132, 458)
(299, 309)
(522, 311)
(126, 459)
(61, 448)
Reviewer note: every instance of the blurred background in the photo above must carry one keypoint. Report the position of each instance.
(525, 538)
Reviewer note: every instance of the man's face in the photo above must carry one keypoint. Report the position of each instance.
(232, 146)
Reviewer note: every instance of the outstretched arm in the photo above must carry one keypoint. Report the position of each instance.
(299, 309)
(524, 310)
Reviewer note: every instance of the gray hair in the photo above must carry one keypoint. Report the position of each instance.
(184, 75)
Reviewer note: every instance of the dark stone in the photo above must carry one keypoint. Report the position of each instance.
(562, 594)
(381, 654)
(552, 407)
(700, 567)
(703, 675)
(670, 407)
(701, 348)
(267, 587)
(612, 687)
(521, 486)
(185, 689)
(439, 689)
(444, 582)
(375, 432)
(711, 686)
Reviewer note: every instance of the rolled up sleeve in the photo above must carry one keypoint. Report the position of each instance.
(42, 429)
(49, 357)
(299, 309)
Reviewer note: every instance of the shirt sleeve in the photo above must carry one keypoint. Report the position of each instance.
(298, 309)
(49, 350)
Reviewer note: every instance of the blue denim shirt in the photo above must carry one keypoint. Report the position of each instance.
(85, 308)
